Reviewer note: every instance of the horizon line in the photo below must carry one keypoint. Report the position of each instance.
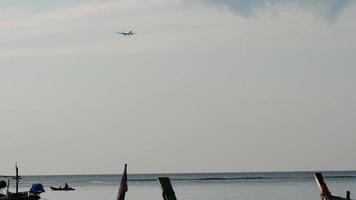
(217, 172)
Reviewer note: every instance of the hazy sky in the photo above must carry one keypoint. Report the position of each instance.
(204, 85)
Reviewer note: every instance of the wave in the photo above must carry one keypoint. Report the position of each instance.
(235, 178)
(340, 176)
(207, 179)
(242, 178)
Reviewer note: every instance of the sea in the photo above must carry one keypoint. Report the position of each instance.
(197, 186)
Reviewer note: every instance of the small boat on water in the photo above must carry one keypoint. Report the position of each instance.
(61, 189)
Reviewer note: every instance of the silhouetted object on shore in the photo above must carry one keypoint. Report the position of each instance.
(19, 195)
(3, 184)
(37, 188)
(325, 194)
(167, 189)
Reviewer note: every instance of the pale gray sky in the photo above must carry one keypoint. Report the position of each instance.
(204, 86)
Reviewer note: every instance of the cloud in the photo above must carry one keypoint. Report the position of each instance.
(327, 8)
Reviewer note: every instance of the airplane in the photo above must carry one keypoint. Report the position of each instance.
(125, 33)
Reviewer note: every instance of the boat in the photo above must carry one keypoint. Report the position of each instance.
(167, 188)
(325, 193)
(62, 188)
(19, 196)
(33, 194)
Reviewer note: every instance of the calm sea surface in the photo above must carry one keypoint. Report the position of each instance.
(207, 186)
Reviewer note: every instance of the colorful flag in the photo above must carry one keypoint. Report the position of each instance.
(123, 185)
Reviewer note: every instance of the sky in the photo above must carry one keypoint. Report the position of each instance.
(203, 86)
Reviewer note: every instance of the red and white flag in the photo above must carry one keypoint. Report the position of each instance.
(123, 185)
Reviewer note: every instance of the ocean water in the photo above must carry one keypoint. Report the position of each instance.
(196, 186)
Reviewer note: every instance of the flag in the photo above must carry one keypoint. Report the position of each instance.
(123, 185)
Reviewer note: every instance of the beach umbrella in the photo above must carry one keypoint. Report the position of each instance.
(123, 185)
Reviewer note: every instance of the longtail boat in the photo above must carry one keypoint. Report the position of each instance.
(325, 193)
(61, 188)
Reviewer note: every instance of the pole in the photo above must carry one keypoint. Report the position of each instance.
(17, 178)
(8, 185)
